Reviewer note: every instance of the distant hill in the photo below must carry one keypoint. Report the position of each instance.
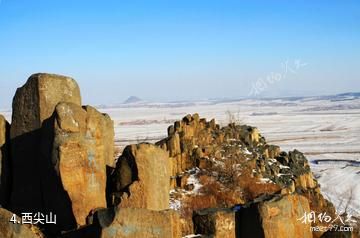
(132, 99)
(352, 94)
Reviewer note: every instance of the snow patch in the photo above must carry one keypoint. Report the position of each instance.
(175, 204)
(247, 152)
(194, 181)
(265, 180)
(284, 167)
(191, 236)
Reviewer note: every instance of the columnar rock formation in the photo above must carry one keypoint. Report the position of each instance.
(142, 178)
(136, 222)
(36, 100)
(191, 141)
(59, 152)
(4, 162)
(82, 147)
(217, 223)
(33, 105)
(278, 217)
(235, 166)
(219, 182)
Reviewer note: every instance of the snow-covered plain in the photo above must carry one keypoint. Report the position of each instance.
(324, 128)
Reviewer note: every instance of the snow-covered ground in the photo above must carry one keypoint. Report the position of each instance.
(323, 128)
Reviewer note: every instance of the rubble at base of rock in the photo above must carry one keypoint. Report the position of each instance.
(202, 180)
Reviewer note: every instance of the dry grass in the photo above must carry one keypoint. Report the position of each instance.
(253, 187)
(198, 202)
(224, 196)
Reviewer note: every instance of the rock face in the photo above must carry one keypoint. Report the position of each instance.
(5, 173)
(36, 100)
(136, 223)
(213, 166)
(59, 152)
(14, 230)
(192, 140)
(33, 105)
(60, 160)
(217, 223)
(81, 150)
(142, 178)
(275, 218)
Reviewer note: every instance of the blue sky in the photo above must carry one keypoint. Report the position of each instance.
(181, 50)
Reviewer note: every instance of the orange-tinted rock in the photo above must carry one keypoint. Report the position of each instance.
(274, 151)
(282, 218)
(36, 100)
(183, 139)
(173, 144)
(12, 229)
(217, 223)
(276, 218)
(136, 223)
(31, 139)
(306, 181)
(81, 152)
(250, 135)
(5, 173)
(149, 169)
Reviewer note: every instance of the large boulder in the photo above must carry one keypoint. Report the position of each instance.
(83, 139)
(36, 100)
(33, 106)
(275, 218)
(250, 135)
(9, 228)
(5, 172)
(137, 222)
(142, 177)
(217, 223)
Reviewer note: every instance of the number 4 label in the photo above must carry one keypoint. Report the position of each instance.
(13, 219)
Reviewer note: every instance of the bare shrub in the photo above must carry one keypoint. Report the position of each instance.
(344, 210)
(233, 118)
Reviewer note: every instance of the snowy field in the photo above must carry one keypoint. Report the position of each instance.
(327, 130)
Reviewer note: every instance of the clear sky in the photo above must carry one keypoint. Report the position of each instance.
(180, 50)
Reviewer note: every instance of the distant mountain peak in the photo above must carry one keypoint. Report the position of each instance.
(132, 99)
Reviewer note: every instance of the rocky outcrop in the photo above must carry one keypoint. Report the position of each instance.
(80, 152)
(136, 223)
(5, 173)
(217, 223)
(9, 228)
(223, 181)
(33, 106)
(278, 217)
(282, 218)
(36, 100)
(142, 178)
(234, 166)
(192, 141)
(59, 152)
(182, 138)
